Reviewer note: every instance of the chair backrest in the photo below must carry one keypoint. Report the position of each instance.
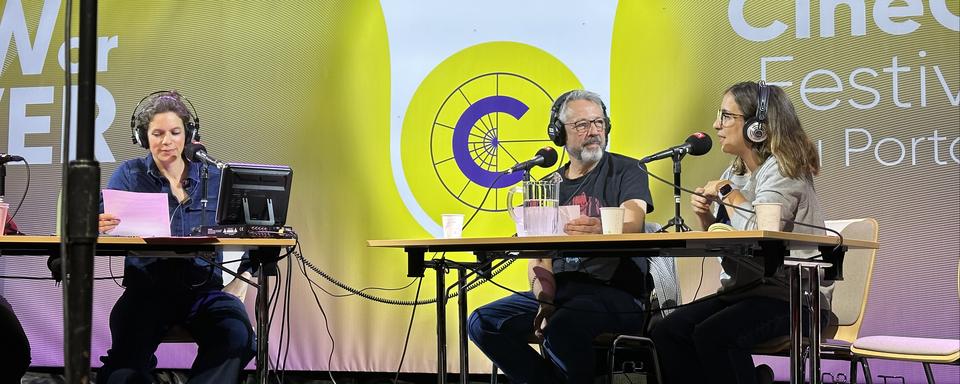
(664, 273)
(850, 294)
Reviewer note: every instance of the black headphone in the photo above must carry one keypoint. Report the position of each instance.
(754, 129)
(139, 132)
(555, 129)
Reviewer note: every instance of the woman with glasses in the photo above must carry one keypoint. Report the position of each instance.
(773, 161)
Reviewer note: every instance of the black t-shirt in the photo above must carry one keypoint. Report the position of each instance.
(613, 181)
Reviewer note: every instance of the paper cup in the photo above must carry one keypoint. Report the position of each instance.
(768, 216)
(452, 225)
(611, 219)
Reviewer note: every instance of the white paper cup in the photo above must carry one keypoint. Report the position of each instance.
(611, 219)
(452, 225)
(768, 216)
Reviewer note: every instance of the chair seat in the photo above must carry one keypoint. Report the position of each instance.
(781, 346)
(908, 348)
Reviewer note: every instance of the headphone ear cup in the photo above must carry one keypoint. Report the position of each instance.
(193, 132)
(140, 137)
(556, 132)
(754, 131)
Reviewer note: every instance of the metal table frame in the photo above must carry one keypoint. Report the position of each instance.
(264, 253)
(772, 246)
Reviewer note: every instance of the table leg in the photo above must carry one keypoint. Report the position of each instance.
(462, 317)
(796, 342)
(440, 269)
(266, 258)
(814, 324)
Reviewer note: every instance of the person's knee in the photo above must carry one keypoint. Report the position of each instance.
(476, 327)
(240, 339)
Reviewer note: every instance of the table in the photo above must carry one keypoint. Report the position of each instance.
(264, 252)
(772, 246)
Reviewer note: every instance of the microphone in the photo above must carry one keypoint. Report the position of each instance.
(196, 152)
(545, 157)
(696, 144)
(6, 158)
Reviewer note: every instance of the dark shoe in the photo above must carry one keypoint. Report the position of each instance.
(764, 374)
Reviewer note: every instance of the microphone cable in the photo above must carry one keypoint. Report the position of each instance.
(722, 204)
(22, 198)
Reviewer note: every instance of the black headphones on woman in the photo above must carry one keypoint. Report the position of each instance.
(192, 125)
(754, 129)
(555, 129)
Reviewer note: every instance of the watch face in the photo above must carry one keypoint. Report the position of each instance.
(724, 190)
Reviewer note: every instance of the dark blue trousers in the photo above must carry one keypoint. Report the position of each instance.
(710, 341)
(141, 317)
(501, 329)
(16, 347)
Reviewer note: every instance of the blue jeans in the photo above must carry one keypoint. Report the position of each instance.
(141, 317)
(710, 341)
(501, 329)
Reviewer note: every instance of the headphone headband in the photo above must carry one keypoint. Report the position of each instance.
(192, 125)
(764, 95)
(754, 129)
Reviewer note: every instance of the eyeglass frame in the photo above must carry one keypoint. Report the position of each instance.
(600, 123)
(726, 117)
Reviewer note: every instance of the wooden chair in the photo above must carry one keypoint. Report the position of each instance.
(849, 299)
(920, 349)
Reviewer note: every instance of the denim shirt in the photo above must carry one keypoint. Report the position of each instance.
(142, 175)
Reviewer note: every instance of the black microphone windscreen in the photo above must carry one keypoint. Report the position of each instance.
(549, 156)
(191, 149)
(700, 143)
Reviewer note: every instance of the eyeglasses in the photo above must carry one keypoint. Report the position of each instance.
(726, 117)
(581, 126)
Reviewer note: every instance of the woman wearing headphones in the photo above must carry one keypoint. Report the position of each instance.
(773, 162)
(161, 293)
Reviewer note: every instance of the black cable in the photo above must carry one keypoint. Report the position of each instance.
(378, 299)
(22, 198)
(286, 307)
(722, 204)
(406, 339)
(697, 293)
(414, 280)
(485, 195)
(326, 322)
(112, 276)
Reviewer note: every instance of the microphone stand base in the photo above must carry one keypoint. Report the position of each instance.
(673, 223)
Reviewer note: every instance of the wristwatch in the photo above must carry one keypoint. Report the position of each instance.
(725, 190)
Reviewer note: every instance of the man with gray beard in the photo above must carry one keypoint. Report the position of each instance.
(574, 297)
